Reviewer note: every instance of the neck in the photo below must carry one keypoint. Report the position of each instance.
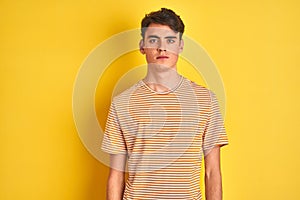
(162, 78)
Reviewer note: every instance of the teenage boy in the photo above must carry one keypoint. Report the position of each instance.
(163, 125)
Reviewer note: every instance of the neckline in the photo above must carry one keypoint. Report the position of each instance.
(166, 92)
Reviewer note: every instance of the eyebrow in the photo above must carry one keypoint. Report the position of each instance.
(171, 37)
(167, 37)
(153, 36)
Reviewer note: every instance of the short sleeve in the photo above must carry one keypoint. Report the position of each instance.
(214, 133)
(113, 140)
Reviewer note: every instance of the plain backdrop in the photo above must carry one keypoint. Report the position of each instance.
(255, 45)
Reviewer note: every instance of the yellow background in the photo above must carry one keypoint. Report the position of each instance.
(255, 45)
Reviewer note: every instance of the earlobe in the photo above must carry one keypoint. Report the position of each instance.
(141, 45)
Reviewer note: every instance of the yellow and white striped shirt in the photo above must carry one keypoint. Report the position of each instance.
(164, 137)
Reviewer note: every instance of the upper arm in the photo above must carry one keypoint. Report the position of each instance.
(212, 160)
(113, 139)
(117, 170)
(214, 135)
(118, 162)
(115, 184)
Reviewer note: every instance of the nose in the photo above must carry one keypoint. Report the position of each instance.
(162, 46)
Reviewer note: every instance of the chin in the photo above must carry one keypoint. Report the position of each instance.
(162, 66)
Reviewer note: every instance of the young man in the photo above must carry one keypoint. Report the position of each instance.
(163, 125)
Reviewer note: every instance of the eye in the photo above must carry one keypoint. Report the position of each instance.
(171, 41)
(153, 40)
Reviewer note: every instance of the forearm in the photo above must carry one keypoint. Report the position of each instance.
(213, 186)
(115, 186)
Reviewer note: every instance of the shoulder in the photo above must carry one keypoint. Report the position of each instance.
(125, 96)
(200, 91)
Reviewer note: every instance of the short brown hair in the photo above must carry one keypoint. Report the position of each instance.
(165, 17)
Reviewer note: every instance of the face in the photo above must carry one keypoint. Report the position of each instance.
(161, 45)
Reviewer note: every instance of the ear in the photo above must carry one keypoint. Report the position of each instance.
(141, 45)
(181, 45)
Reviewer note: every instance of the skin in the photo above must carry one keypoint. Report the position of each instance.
(116, 177)
(213, 177)
(161, 46)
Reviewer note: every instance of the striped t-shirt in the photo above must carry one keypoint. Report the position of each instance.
(164, 137)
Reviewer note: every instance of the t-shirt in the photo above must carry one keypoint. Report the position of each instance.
(164, 136)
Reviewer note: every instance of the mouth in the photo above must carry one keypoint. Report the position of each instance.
(162, 57)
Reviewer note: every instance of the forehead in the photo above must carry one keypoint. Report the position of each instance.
(160, 30)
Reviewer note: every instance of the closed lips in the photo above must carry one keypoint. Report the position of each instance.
(161, 57)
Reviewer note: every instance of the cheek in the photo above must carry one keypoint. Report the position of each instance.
(150, 52)
(174, 55)
(150, 58)
(174, 58)
(174, 50)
